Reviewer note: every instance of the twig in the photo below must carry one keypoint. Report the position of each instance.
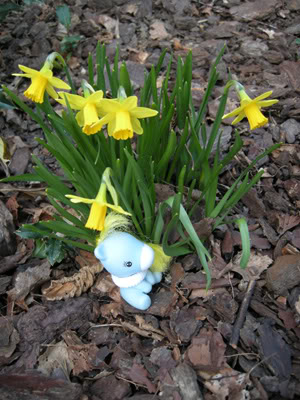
(142, 332)
(242, 314)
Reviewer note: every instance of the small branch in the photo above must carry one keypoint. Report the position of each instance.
(242, 314)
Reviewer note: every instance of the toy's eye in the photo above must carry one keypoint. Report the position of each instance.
(127, 264)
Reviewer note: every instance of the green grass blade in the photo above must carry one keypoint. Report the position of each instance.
(244, 231)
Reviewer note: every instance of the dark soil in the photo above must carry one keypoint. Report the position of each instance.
(240, 339)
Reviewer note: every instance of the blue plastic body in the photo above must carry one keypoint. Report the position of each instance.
(128, 260)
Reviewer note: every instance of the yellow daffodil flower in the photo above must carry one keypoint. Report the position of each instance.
(89, 107)
(250, 109)
(41, 81)
(99, 208)
(122, 117)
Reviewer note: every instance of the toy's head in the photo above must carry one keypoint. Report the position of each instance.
(123, 255)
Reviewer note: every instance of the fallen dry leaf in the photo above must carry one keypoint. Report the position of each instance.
(286, 222)
(12, 205)
(86, 258)
(217, 265)
(256, 266)
(185, 324)
(131, 9)
(287, 316)
(227, 384)
(158, 31)
(72, 286)
(44, 212)
(73, 62)
(139, 375)
(290, 148)
(82, 356)
(137, 56)
(9, 338)
(23, 252)
(207, 350)
(177, 274)
(163, 192)
(296, 238)
(56, 359)
(105, 286)
(289, 249)
(108, 22)
(25, 282)
(271, 34)
(178, 46)
(112, 308)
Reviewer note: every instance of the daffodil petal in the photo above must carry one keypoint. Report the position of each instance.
(263, 96)
(28, 70)
(90, 114)
(130, 103)
(238, 118)
(136, 126)
(23, 75)
(76, 102)
(80, 118)
(143, 112)
(50, 90)
(111, 127)
(58, 83)
(96, 97)
(110, 106)
(106, 119)
(233, 113)
(117, 209)
(77, 199)
(47, 73)
(266, 103)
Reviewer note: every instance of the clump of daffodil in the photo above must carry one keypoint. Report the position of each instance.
(122, 116)
(250, 108)
(89, 107)
(99, 204)
(42, 81)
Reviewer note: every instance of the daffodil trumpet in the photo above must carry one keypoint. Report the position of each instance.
(122, 117)
(42, 81)
(250, 108)
(89, 107)
(99, 207)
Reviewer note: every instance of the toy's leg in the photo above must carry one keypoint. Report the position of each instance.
(136, 298)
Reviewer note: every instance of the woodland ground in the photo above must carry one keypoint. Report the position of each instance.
(189, 344)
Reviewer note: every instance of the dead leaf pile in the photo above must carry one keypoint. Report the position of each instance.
(72, 286)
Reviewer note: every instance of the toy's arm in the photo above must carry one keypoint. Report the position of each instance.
(153, 277)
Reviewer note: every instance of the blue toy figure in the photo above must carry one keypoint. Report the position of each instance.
(129, 261)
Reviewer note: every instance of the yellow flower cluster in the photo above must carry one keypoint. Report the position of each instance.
(122, 115)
